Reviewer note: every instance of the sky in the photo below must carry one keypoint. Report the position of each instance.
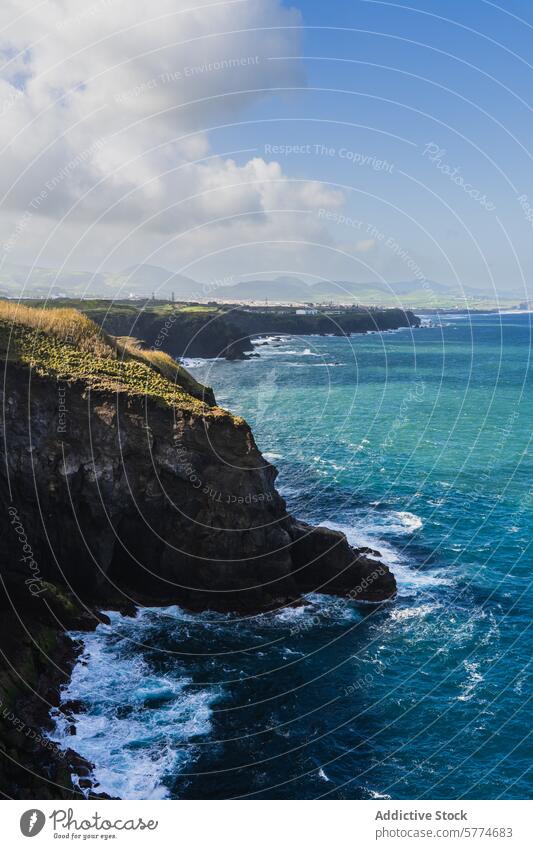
(362, 140)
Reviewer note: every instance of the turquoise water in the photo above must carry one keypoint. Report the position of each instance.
(416, 443)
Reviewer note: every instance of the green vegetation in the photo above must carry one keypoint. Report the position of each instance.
(67, 324)
(131, 348)
(65, 344)
(197, 308)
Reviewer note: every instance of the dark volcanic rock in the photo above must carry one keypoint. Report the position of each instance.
(324, 562)
(132, 501)
(235, 351)
(227, 333)
(138, 501)
(181, 334)
(37, 660)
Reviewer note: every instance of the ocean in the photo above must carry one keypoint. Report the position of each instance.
(414, 442)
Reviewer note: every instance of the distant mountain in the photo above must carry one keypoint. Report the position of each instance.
(418, 286)
(137, 280)
(143, 280)
(279, 289)
(296, 290)
(283, 289)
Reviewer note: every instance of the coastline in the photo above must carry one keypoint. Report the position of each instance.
(224, 331)
(153, 448)
(377, 650)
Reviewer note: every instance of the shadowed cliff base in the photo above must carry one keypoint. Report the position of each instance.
(121, 488)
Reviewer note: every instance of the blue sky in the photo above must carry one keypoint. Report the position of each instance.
(369, 141)
(385, 80)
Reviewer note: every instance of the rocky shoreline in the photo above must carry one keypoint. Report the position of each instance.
(226, 331)
(113, 498)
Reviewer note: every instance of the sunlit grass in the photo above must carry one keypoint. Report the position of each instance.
(65, 344)
(69, 325)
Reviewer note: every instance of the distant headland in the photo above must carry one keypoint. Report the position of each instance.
(185, 329)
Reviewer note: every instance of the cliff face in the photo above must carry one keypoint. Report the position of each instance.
(122, 495)
(345, 323)
(225, 331)
(119, 487)
(182, 333)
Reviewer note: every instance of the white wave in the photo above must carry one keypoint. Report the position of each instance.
(319, 609)
(260, 340)
(361, 535)
(288, 615)
(375, 795)
(474, 677)
(421, 610)
(368, 530)
(395, 522)
(196, 362)
(380, 332)
(374, 523)
(287, 491)
(137, 726)
(409, 522)
(316, 365)
(271, 456)
(221, 623)
(284, 352)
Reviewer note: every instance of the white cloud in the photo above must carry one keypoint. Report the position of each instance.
(106, 108)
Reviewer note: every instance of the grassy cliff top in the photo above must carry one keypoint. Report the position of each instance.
(66, 345)
(126, 307)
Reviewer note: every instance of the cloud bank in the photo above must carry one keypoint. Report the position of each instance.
(108, 110)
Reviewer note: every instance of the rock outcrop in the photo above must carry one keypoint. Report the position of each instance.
(224, 330)
(117, 488)
(128, 497)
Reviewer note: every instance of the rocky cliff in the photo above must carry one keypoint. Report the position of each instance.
(124, 495)
(185, 330)
(119, 487)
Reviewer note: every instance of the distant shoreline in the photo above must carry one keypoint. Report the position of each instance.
(466, 311)
(221, 331)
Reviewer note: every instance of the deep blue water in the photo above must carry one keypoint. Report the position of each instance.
(415, 442)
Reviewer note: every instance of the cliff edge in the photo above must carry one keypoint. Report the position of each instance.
(123, 484)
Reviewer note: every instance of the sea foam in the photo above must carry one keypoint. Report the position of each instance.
(137, 725)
